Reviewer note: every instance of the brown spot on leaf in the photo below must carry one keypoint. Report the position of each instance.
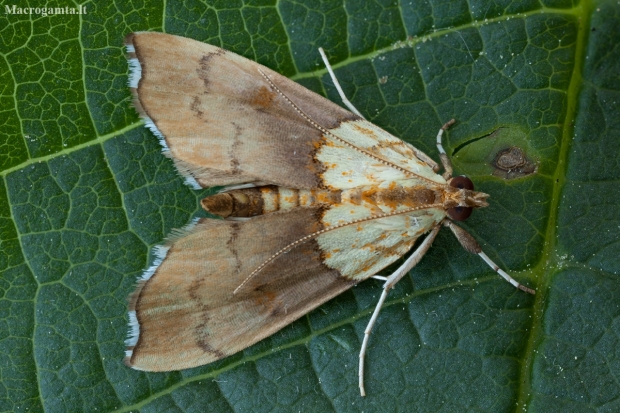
(510, 159)
(513, 163)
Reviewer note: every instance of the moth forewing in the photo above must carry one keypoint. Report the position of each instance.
(317, 199)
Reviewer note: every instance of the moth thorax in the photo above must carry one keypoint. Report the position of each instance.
(249, 202)
(465, 198)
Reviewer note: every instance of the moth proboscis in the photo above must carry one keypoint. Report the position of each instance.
(316, 199)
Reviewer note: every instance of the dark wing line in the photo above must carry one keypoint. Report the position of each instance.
(323, 231)
(327, 132)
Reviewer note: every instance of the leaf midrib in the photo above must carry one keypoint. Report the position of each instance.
(548, 263)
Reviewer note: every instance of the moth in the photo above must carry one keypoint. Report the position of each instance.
(315, 200)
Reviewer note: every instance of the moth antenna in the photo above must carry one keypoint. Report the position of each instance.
(346, 101)
(420, 155)
(323, 231)
(445, 161)
(344, 142)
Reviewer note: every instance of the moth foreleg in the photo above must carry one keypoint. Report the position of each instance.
(346, 101)
(447, 164)
(470, 244)
(390, 281)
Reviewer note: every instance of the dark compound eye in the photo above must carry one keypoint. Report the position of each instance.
(462, 182)
(460, 213)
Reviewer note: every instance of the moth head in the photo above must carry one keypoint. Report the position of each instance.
(462, 198)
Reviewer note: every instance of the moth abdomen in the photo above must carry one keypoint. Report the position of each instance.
(250, 202)
(246, 202)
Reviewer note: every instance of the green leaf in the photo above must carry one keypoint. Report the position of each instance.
(85, 194)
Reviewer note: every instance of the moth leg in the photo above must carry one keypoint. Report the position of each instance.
(445, 161)
(411, 262)
(346, 101)
(471, 245)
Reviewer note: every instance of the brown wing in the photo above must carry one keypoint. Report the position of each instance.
(186, 315)
(222, 121)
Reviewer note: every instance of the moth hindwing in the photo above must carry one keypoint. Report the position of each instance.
(316, 199)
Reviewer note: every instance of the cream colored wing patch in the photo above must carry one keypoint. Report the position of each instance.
(371, 138)
(347, 168)
(370, 157)
(361, 250)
